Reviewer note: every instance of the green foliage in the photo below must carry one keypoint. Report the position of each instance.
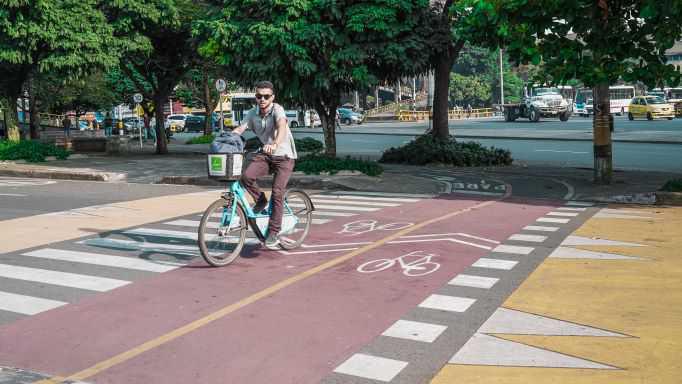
(472, 90)
(308, 144)
(317, 163)
(205, 139)
(29, 150)
(428, 149)
(674, 185)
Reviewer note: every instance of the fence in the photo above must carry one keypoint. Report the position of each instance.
(453, 114)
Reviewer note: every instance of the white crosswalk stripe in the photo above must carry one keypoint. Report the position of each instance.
(26, 305)
(105, 260)
(64, 279)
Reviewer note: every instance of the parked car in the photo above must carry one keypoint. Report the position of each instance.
(348, 116)
(651, 107)
(292, 118)
(176, 123)
(194, 123)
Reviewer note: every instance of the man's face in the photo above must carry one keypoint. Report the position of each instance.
(264, 97)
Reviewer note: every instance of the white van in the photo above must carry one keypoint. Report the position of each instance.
(292, 118)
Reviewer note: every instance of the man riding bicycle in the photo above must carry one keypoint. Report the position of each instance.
(269, 122)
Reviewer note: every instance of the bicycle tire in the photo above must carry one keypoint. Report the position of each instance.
(304, 215)
(217, 258)
(381, 264)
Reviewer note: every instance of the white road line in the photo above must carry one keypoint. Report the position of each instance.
(338, 207)
(371, 367)
(447, 303)
(415, 330)
(452, 234)
(529, 238)
(26, 305)
(573, 209)
(540, 228)
(551, 220)
(64, 279)
(484, 262)
(364, 203)
(447, 239)
(215, 225)
(563, 214)
(333, 214)
(388, 199)
(13, 194)
(513, 249)
(384, 194)
(100, 259)
(555, 151)
(162, 233)
(473, 281)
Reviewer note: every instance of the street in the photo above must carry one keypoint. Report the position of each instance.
(389, 287)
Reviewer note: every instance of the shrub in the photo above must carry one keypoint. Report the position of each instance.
(29, 150)
(308, 144)
(317, 163)
(205, 139)
(427, 149)
(674, 185)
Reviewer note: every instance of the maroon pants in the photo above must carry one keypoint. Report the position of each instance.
(260, 166)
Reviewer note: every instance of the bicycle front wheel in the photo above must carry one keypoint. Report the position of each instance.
(222, 234)
(298, 215)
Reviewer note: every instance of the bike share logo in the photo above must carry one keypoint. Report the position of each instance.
(216, 164)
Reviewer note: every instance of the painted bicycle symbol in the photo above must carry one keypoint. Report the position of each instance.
(417, 263)
(359, 227)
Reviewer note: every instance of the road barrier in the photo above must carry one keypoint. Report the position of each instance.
(453, 114)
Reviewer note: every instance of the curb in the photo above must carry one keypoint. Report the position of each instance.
(110, 177)
(669, 198)
(266, 182)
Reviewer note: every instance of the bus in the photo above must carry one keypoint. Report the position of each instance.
(621, 95)
(583, 102)
(239, 104)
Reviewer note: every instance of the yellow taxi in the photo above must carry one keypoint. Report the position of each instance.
(651, 107)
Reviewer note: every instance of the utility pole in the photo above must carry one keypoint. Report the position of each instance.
(501, 79)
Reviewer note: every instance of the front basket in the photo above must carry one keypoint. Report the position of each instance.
(225, 166)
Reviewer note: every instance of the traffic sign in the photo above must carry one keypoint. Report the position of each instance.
(137, 98)
(220, 85)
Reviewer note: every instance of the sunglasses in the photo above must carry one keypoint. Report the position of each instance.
(266, 97)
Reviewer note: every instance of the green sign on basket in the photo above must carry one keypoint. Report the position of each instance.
(216, 164)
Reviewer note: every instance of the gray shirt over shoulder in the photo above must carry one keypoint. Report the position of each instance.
(265, 127)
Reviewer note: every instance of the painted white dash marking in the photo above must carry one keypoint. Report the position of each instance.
(552, 220)
(579, 204)
(571, 209)
(383, 194)
(105, 260)
(26, 305)
(540, 228)
(415, 330)
(371, 367)
(64, 279)
(162, 233)
(351, 202)
(338, 207)
(563, 214)
(369, 198)
(13, 194)
(332, 214)
(528, 238)
(494, 263)
(463, 280)
(580, 240)
(513, 249)
(447, 303)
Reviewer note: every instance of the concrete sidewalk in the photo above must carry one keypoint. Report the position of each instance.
(186, 165)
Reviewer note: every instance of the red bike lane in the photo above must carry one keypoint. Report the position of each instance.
(292, 333)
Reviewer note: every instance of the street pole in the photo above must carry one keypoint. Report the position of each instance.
(222, 115)
(139, 127)
(501, 79)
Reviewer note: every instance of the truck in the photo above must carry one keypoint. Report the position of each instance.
(675, 98)
(540, 102)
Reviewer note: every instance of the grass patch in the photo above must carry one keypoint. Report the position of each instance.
(30, 150)
(317, 163)
(205, 139)
(674, 185)
(427, 149)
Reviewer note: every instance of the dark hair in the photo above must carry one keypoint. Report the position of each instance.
(265, 84)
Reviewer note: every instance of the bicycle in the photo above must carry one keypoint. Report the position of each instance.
(422, 265)
(224, 224)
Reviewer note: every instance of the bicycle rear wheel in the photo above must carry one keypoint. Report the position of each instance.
(221, 236)
(298, 215)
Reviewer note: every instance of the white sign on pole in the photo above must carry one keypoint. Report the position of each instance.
(137, 98)
(220, 85)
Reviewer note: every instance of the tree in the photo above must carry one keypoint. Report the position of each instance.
(597, 42)
(471, 89)
(198, 89)
(316, 50)
(163, 48)
(65, 36)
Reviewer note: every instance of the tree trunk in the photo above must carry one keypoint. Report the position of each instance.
(161, 139)
(328, 118)
(10, 117)
(442, 91)
(33, 111)
(602, 127)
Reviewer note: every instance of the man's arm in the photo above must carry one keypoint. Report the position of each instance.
(240, 129)
(282, 133)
